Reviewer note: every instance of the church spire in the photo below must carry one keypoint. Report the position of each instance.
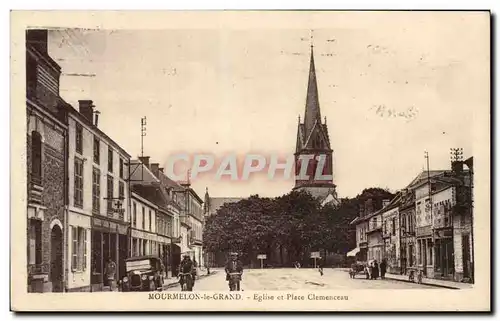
(312, 101)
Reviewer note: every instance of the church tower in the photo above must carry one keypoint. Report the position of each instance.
(313, 140)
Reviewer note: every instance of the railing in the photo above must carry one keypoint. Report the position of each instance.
(184, 219)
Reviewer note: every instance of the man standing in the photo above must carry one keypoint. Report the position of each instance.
(110, 272)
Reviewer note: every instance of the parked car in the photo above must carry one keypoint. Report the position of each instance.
(143, 273)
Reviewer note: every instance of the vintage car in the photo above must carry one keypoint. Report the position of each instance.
(143, 273)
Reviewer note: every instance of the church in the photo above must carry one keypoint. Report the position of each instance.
(313, 140)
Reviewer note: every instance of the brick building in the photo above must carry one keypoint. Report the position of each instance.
(46, 152)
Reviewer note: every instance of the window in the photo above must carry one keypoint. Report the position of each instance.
(143, 219)
(79, 139)
(110, 160)
(134, 216)
(36, 157)
(35, 242)
(78, 249)
(385, 226)
(393, 226)
(122, 176)
(150, 221)
(121, 195)
(429, 252)
(96, 190)
(110, 194)
(97, 150)
(78, 197)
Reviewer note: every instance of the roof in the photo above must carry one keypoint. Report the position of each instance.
(423, 176)
(151, 193)
(143, 257)
(143, 176)
(217, 202)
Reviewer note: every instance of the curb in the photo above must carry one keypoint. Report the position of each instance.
(424, 283)
(174, 284)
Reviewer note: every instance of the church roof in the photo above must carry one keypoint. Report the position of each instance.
(217, 202)
(312, 130)
(312, 114)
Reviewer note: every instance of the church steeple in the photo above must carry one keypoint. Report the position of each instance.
(313, 140)
(312, 113)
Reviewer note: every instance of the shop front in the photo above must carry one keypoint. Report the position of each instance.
(109, 240)
(443, 250)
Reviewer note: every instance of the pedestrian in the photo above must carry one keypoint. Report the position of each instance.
(370, 270)
(320, 268)
(383, 268)
(375, 270)
(110, 272)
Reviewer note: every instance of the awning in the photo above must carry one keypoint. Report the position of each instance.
(353, 252)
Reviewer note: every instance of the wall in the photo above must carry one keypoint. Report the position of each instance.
(88, 165)
(392, 241)
(53, 195)
(361, 233)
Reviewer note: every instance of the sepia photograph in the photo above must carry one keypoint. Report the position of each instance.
(250, 161)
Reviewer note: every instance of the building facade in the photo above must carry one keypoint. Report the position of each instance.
(98, 211)
(391, 235)
(370, 202)
(46, 168)
(191, 223)
(407, 230)
(151, 183)
(427, 226)
(144, 239)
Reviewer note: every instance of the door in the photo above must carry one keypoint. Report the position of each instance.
(56, 262)
(122, 254)
(466, 255)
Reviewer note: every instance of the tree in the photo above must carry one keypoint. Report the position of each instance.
(294, 223)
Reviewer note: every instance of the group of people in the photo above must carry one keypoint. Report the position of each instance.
(374, 270)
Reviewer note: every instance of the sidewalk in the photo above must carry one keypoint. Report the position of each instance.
(432, 282)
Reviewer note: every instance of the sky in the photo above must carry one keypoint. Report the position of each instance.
(389, 92)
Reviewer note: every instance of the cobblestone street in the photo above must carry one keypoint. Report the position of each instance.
(298, 279)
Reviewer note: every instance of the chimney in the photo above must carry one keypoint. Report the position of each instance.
(155, 168)
(144, 160)
(161, 169)
(38, 38)
(87, 109)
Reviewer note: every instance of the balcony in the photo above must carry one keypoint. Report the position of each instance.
(373, 229)
(184, 219)
(38, 269)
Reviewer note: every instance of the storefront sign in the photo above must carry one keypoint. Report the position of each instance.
(108, 227)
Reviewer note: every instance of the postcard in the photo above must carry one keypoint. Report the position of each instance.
(250, 161)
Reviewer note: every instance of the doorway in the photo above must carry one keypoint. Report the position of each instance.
(56, 259)
(466, 261)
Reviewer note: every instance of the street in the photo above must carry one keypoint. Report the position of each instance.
(298, 279)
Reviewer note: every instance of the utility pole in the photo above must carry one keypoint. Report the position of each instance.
(430, 207)
(143, 133)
